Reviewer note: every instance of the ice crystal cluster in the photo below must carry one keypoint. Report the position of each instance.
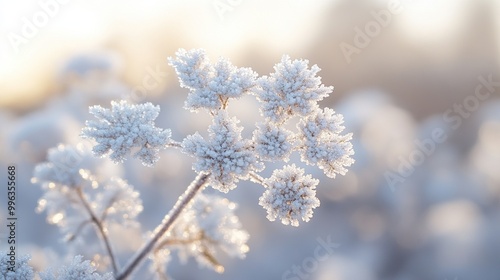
(323, 144)
(273, 142)
(200, 225)
(294, 89)
(124, 127)
(21, 271)
(225, 154)
(210, 86)
(290, 195)
(78, 269)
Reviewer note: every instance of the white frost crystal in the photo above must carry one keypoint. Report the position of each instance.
(210, 85)
(290, 195)
(291, 89)
(225, 155)
(76, 270)
(322, 143)
(124, 127)
(273, 142)
(62, 167)
(22, 270)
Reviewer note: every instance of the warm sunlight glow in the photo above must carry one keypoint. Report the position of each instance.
(428, 20)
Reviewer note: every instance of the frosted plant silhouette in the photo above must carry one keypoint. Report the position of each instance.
(198, 225)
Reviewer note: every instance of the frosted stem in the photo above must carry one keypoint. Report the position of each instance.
(196, 186)
(100, 228)
(256, 178)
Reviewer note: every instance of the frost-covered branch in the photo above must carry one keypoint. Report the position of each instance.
(209, 225)
(196, 186)
(69, 201)
(200, 225)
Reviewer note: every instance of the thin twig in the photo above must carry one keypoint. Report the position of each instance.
(108, 207)
(170, 242)
(256, 178)
(100, 229)
(196, 186)
(72, 236)
(174, 144)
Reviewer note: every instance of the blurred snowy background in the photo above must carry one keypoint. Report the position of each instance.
(417, 72)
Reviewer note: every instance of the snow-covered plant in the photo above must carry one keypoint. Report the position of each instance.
(75, 199)
(200, 225)
(76, 270)
(15, 270)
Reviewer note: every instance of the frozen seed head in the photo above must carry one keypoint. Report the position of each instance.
(61, 168)
(292, 89)
(192, 68)
(76, 270)
(124, 127)
(210, 86)
(225, 154)
(273, 142)
(290, 195)
(230, 81)
(22, 270)
(323, 145)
